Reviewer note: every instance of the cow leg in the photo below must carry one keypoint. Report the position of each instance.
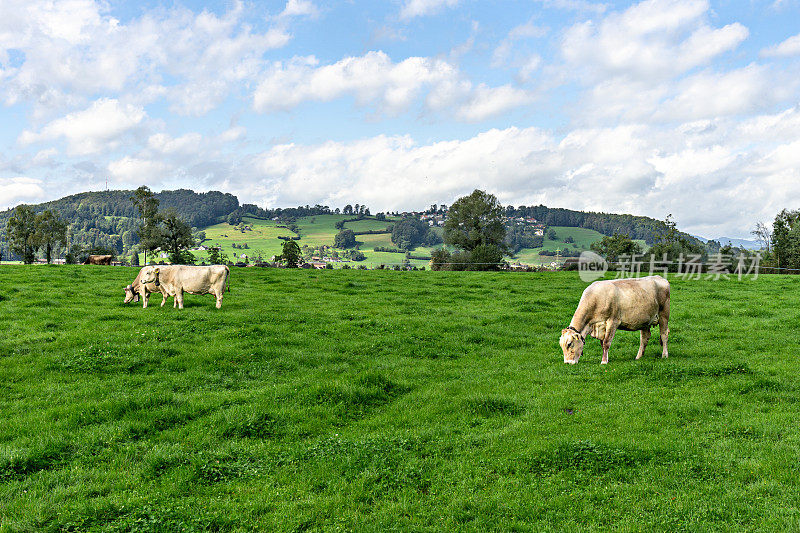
(145, 297)
(179, 298)
(219, 299)
(663, 328)
(609, 336)
(164, 299)
(643, 344)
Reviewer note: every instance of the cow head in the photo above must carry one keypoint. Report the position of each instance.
(149, 275)
(130, 295)
(571, 343)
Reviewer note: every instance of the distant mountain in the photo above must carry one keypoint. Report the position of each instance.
(747, 244)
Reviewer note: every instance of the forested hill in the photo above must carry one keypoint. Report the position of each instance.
(636, 227)
(108, 219)
(198, 209)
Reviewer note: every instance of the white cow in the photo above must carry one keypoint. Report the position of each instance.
(633, 304)
(174, 280)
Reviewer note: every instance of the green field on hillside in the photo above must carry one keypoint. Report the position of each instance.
(371, 241)
(374, 401)
(320, 230)
(368, 225)
(262, 236)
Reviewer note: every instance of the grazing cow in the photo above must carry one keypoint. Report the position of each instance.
(633, 304)
(174, 280)
(137, 289)
(98, 260)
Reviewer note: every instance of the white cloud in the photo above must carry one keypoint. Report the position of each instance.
(652, 40)
(487, 102)
(132, 170)
(165, 144)
(14, 191)
(73, 50)
(711, 94)
(97, 128)
(299, 8)
(373, 79)
(789, 47)
(419, 8)
(370, 78)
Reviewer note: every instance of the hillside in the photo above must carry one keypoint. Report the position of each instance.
(108, 220)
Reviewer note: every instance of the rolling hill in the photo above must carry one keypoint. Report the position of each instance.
(108, 220)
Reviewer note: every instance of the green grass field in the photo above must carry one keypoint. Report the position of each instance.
(375, 400)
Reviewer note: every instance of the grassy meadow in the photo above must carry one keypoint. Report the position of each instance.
(378, 400)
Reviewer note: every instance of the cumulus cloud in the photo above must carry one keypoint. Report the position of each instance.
(74, 49)
(789, 47)
(14, 191)
(492, 101)
(97, 128)
(129, 170)
(419, 8)
(300, 8)
(374, 79)
(655, 39)
(370, 78)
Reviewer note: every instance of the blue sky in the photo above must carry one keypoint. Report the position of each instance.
(689, 107)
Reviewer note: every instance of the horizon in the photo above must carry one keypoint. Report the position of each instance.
(688, 107)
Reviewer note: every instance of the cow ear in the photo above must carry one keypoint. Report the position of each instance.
(563, 331)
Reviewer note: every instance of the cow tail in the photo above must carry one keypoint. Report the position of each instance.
(227, 279)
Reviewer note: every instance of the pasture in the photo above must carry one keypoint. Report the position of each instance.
(378, 400)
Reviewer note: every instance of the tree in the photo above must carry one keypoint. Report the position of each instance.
(763, 235)
(177, 237)
(672, 244)
(409, 233)
(440, 259)
(477, 221)
(150, 236)
(51, 232)
(135, 259)
(290, 256)
(614, 246)
(786, 239)
(21, 231)
(346, 238)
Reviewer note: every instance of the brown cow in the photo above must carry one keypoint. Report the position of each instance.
(98, 260)
(632, 304)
